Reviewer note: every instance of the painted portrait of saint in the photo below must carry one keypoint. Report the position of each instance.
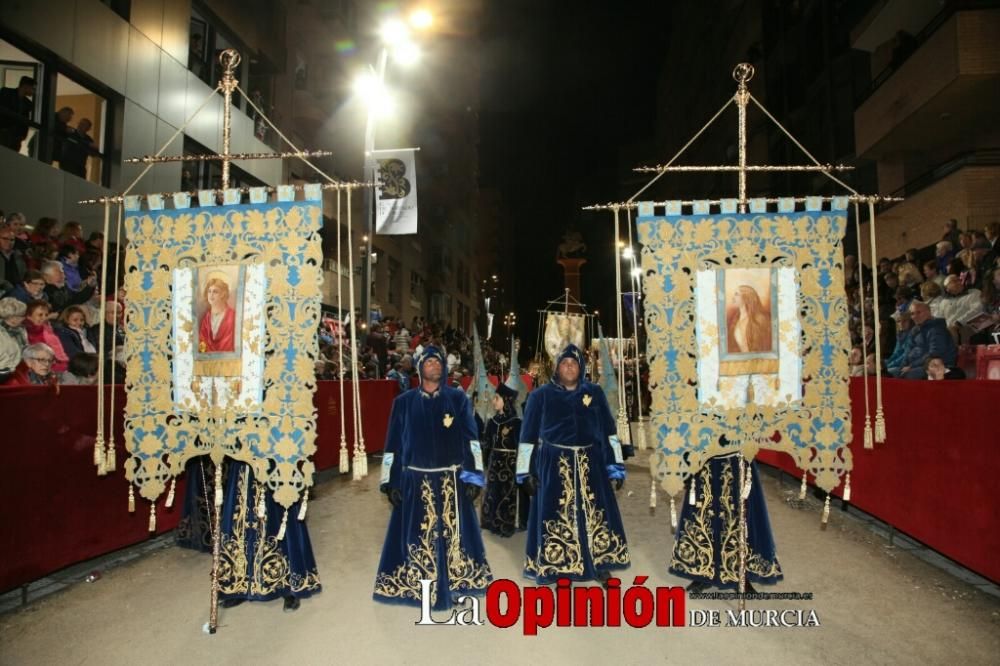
(218, 312)
(747, 303)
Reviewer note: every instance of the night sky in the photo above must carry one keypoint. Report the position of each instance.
(565, 87)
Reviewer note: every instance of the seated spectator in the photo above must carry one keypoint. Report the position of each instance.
(928, 337)
(932, 295)
(32, 288)
(17, 224)
(13, 264)
(59, 295)
(69, 257)
(909, 275)
(72, 234)
(36, 323)
(82, 370)
(893, 364)
(903, 297)
(990, 296)
(982, 260)
(114, 339)
(943, 254)
(855, 362)
(960, 304)
(35, 368)
(932, 274)
(45, 231)
(13, 337)
(73, 332)
(937, 370)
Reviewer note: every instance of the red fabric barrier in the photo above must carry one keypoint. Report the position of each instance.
(934, 477)
(55, 510)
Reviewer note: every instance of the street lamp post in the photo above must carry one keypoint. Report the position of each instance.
(370, 171)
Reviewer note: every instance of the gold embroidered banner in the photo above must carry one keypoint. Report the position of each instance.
(223, 305)
(747, 336)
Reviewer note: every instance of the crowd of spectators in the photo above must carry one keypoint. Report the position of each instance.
(50, 303)
(931, 302)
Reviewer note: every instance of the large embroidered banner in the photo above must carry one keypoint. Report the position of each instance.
(223, 306)
(747, 335)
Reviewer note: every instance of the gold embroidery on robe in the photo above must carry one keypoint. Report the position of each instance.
(606, 547)
(463, 572)
(271, 571)
(694, 553)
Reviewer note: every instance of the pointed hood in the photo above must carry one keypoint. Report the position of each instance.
(573, 352)
(514, 388)
(483, 405)
(608, 381)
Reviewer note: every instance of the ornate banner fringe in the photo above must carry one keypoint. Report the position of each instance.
(802, 488)
(152, 516)
(305, 504)
(131, 498)
(284, 524)
(826, 513)
(847, 488)
(170, 494)
(673, 514)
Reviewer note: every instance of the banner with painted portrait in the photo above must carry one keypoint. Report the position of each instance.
(747, 335)
(222, 312)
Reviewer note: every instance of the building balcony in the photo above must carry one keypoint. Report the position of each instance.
(943, 93)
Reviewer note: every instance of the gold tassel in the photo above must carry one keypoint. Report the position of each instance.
(170, 495)
(345, 465)
(131, 498)
(745, 495)
(869, 439)
(305, 505)
(624, 434)
(826, 512)
(99, 457)
(673, 514)
(641, 428)
(879, 426)
(152, 516)
(802, 490)
(847, 488)
(692, 500)
(284, 523)
(357, 465)
(261, 509)
(652, 494)
(110, 459)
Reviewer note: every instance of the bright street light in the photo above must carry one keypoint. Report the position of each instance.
(374, 93)
(421, 19)
(393, 31)
(406, 54)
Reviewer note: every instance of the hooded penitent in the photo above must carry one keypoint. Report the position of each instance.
(568, 443)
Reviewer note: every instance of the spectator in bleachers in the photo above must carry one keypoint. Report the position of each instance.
(13, 337)
(17, 223)
(982, 258)
(36, 367)
(13, 263)
(964, 251)
(936, 369)
(45, 231)
(893, 364)
(928, 337)
(932, 274)
(951, 232)
(909, 275)
(36, 323)
(32, 288)
(991, 232)
(73, 332)
(82, 370)
(113, 339)
(960, 304)
(69, 257)
(58, 294)
(943, 254)
(72, 234)
(990, 297)
(932, 294)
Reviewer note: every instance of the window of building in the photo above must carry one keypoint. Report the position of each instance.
(395, 270)
(121, 7)
(416, 287)
(54, 117)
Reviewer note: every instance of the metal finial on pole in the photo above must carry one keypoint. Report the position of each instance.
(230, 60)
(742, 73)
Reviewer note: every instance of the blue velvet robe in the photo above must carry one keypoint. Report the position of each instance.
(574, 528)
(505, 504)
(706, 546)
(194, 530)
(255, 564)
(434, 533)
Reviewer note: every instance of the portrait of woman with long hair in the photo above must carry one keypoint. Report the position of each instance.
(217, 328)
(748, 323)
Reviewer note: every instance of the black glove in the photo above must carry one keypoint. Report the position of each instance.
(394, 495)
(472, 491)
(619, 483)
(530, 484)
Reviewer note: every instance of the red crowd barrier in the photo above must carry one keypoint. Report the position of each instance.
(55, 510)
(933, 478)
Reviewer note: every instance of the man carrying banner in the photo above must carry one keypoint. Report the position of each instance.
(432, 473)
(568, 457)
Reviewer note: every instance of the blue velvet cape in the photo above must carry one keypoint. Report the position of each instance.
(706, 546)
(434, 533)
(574, 528)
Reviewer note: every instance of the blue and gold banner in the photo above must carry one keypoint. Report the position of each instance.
(223, 306)
(747, 335)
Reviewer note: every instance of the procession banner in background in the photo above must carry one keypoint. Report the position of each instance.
(747, 335)
(222, 313)
(395, 192)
